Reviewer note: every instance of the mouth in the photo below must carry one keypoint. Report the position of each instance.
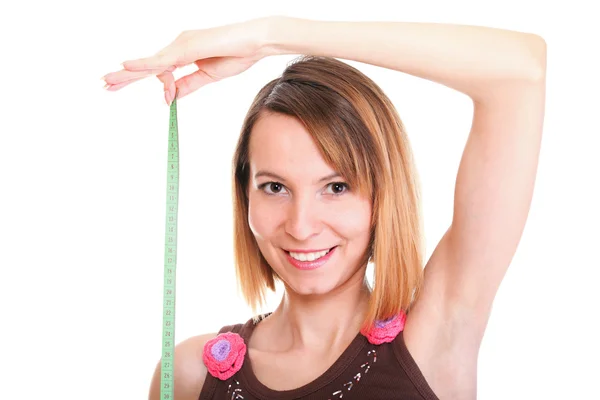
(309, 261)
(315, 251)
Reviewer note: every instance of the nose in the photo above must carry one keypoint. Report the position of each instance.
(303, 218)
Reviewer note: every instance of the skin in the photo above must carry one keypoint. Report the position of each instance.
(503, 72)
(319, 305)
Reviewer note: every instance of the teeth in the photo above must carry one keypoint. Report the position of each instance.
(308, 256)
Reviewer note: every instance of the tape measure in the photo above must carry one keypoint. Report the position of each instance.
(168, 329)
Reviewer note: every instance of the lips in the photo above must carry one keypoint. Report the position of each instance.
(308, 251)
(310, 265)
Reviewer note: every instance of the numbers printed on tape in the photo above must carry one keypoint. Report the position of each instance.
(168, 330)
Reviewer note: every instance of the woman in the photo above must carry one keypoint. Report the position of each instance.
(324, 183)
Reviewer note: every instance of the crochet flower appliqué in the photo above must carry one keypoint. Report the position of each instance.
(224, 355)
(385, 331)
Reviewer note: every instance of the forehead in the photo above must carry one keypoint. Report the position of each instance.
(281, 144)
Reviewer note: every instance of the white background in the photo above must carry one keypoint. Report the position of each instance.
(84, 186)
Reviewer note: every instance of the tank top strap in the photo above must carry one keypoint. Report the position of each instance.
(245, 330)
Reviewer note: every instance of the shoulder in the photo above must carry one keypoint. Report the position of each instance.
(190, 370)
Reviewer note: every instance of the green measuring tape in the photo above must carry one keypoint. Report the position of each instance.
(168, 328)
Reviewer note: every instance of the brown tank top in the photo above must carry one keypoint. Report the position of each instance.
(364, 371)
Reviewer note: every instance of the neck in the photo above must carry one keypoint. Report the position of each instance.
(321, 322)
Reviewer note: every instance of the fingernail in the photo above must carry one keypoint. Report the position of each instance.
(167, 97)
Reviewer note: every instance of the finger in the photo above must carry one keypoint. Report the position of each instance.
(169, 88)
(120, 85)
(159, 61)
(192, 82)
(167, 79)
(124, 75)
(115, 78)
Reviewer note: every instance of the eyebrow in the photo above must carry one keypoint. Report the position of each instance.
(282, 179)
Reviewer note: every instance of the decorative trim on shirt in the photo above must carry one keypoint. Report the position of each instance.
(385, 331)
(224, 355)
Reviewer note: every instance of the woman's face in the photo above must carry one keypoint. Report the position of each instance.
(297, 210)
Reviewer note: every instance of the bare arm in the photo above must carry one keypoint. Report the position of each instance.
(470, 59)
(503, 72)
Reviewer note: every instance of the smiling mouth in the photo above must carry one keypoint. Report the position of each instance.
(328, 250)
(309, 261)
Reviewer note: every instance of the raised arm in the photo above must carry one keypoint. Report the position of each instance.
(503, 72)
(471, 59)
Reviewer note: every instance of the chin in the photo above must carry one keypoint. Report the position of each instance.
(309, 289)
(309, 285)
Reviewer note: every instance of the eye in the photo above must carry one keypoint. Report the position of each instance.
(338, 188)
(275, 187)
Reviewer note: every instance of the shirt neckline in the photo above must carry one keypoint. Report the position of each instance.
(257, 388)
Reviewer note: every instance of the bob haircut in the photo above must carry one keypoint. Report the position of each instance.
(360, 135)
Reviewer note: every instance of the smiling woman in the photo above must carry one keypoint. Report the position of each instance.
(304, 129)
(324, 181)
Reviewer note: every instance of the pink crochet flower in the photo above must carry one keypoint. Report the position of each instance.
(385, 331)
(224, 355)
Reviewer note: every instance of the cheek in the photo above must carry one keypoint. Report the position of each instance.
(261, 218)
(352, 219)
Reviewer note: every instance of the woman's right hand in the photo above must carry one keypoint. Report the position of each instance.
(218, 52)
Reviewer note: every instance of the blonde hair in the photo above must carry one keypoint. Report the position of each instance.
(359, 134)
